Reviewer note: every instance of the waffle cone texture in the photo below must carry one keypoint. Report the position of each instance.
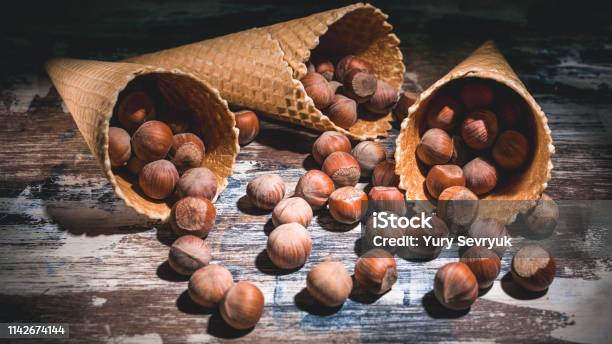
(516, 196)
(260, 68)
(90, 90)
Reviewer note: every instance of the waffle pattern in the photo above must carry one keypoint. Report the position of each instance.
(486, 62)
(260, 68)
(90, 90)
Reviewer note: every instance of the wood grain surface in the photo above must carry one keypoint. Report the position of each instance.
(71, 252)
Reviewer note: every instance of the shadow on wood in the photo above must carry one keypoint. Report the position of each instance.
(219, 328)
(360, 295)
(327, 222)
(265, 265)
(516, 291)
(245, 205)
(309, 163)
(305, 302)
(187, 306)
(436, 310)
(165, 235)
(276, 137)
(165, 272)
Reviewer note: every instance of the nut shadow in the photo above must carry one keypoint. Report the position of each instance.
(307, 303)
(265, 265)
(360, 295)
(309, 163)
(187, 306)
(436, 310)
(165, 272)
(245, 205)
(165, 235)
(219, 328)
(275, 136)
(327, 222)
(510, 287)
(268, 227)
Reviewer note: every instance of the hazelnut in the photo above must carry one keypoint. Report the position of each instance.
(359, 85)
(135, 165)
(198, 181)
(315, 187)
(134, 109)
(424, 250)
(376, 271)
(208, 285)
(384, 174)
(443, 113)
(480, 176)
(462, 154)
(484, 263)
(177, 120)
(457, 205)
(342, 111)
(152, 141)
(347, 204)
(342, 168)
(435, 148)
(187, 156)
(325, 68)
(542, 218)
(335, 86)
(406, 100)
(455, 286)
(489, 229)
(533, 268)
(193, 215)
(387, 198)
(119, 149)
(248, 126)
(329, 283)
(266, 191)
(477, 94)
(348, 63)
(511, 149)
(369, 154)
(289, 246)
(329, 142)
(293, 209)
(188, 253)
(479, 129)
(509, 112)
(242, 305)
(157, 179)
(317, 88)
(180, 139)
(441, 177)
(384, 99)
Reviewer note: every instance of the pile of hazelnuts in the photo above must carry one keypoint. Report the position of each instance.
(349, 89)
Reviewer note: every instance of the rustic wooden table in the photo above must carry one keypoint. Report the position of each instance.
(71, 252)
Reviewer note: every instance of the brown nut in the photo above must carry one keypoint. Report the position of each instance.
(177, 120)
(329, 283)
(266, 191)
(329, 142)
(188, 253)
(342, 111)
(359, 85)
(406, 99)
(455, 286)
(208, 285)
(533, 268)
(242, 305)
(369, 154)
(157, 179)
(480, 176)
(347, 204)
(384, 174)
(387, 198)
(342, 168)
(335, 86)
(315, 187)
(351, 62)
(384, 99)
(511, 150)
(152, 141)
(180, 139)
(135, 109)
(187, 156)
(193, 215)
(135, 165)
(477, 94)
(542, 218)
(435, 147)
(443, 113)
(484, 263)
(490, 229)
(317, 88)
(479, 129)
(248, 126)
(376, 271)
(441, 177)
(293, 209)
(325, 68)
(289, 246)
(119, 149)
(423, 249)
(197, 182)
(462, 154)
(457, 205)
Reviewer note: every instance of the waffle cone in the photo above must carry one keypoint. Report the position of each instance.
(90, 90)
(519, 193)
(260, 68)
